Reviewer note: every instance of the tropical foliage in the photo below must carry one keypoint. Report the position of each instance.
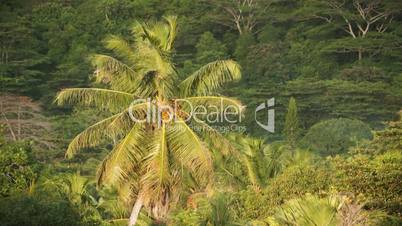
(148, 159)
(73, 75)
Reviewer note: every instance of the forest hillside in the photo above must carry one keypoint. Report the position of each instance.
(201, 112)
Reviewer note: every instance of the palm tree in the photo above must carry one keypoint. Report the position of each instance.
(334, 209)
(309, 210)
(256, 162)
(218, 213)
(151, 160)
(244, 167)
(251, 157)
(73, 187)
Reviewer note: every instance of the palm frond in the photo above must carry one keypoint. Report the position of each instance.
(210, 77)
(160, 35)
(143, 31)
(115, 72)
(112, 128)
(156, 179)
(121, 47)
(128, 191)
(104, 99)
(116, 167)
(153, 44)
(252, 171)
(124, 121)
(188, 150)
(309, 210)
(217, 140)
(91, 136)
(172, 22)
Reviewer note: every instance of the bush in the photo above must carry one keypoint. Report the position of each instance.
(385, 220)
(26, 210)
(250, 205)
(335, 136)
(213, 210)
(185, 217)
(388, 139)
(293, 182)
(298, 180)
(376, 181)
(17, 168)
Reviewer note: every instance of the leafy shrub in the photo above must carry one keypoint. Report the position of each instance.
(295, 181)
(17, 168)
(214, 210)
(377, 181)
(388, 139)
(26, 210)
(250, 204)
(335, 135)
(185, 217)
(384, 219)
(298, 180)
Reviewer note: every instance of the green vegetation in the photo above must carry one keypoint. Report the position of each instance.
(71, 152)
(149, 158)
(18, 168)
(291, 129)
(336, 135)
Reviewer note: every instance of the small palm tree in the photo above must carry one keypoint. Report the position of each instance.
(280, 156)
(151, 160)
(309, 210)
(218, 213)
(73, 187)
(251, 157)
(256, 161)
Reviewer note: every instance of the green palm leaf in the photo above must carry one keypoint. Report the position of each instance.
(214, 137)
(91, 136)
(172, 22)
(123, 159)
(160, 35)
(210, 77)
(122, 48)
(103, 99)
(189, 150)
(112, 71)
(112, 128)
(157, 176)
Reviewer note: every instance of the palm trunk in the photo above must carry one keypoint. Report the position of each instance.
(135, 211)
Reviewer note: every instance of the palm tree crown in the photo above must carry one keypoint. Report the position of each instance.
(151, 163)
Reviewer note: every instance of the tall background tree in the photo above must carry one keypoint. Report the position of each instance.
(292, 125)
(367, 23)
